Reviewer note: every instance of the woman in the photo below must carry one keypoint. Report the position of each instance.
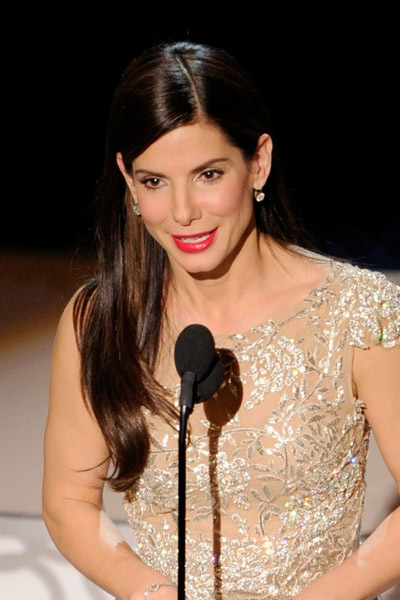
(194, 227)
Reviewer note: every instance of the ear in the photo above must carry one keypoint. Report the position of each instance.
(262, 160)
(130, 182)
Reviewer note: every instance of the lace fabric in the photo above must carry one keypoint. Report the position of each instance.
(276, 460)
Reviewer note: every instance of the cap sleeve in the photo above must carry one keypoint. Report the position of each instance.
(374, 309)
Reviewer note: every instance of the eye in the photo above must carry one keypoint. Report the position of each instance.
(151, 183)
(211, 175)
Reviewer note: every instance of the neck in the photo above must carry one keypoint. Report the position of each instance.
(216, 298)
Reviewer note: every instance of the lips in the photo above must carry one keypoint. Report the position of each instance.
(196, 242)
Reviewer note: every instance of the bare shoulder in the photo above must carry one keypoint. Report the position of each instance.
(65, 350)
(65, 364)
(74, 443)
(301, 269)
(66, 392)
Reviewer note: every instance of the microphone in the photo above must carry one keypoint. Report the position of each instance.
(197, 362)
(201, 374)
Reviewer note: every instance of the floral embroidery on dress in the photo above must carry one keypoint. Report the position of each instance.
(275, 487)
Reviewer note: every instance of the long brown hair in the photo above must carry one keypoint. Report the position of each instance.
(118, 315)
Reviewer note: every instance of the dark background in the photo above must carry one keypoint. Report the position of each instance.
(328, 78)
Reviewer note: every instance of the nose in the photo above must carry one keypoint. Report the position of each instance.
(184, 207)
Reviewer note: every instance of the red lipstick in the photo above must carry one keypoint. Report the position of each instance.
(196, 242)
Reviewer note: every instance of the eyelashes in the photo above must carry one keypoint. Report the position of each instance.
(211, 175)
(207, 176)
(151, 183)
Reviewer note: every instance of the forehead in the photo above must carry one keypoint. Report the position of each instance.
(187, 147)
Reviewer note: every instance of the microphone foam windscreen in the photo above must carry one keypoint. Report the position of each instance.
(195, 351)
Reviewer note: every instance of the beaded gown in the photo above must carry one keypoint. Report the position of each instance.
(276, 460)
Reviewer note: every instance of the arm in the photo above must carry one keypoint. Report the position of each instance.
(375, 566)
(72, 496)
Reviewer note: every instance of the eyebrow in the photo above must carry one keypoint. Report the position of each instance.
(201, 167)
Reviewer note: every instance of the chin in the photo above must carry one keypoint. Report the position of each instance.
(202, 270)
(209, 269)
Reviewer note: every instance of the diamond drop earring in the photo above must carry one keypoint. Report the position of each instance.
(259, 195)
(136, 208)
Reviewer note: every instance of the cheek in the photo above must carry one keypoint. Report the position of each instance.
(153, 212)
(236, 198)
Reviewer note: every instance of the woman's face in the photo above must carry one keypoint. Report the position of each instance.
(195, 194)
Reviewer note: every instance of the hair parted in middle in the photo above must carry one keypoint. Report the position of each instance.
(119, 315)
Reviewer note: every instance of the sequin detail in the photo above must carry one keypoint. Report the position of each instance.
(274, 493)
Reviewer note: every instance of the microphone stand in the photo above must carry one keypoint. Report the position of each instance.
(186, 403)
(201, 373)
